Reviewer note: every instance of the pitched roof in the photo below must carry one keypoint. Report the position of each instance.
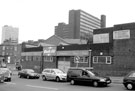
(56, 40)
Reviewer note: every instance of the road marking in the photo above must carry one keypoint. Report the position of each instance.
(42, 87)
(10, 83)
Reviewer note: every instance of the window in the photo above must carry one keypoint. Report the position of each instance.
(108, 60)
(26, 58)
(3, 47)
(102, 59)
(95, 59)
(15, 48)
(34, 58)
(48, 58)
(82, 59)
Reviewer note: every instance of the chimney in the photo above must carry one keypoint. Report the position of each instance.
(103, 21)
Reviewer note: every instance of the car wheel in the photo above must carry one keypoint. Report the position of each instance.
(9, 79)
(28, 77)
(72, 82)
(129, 86)
(57, 79)
(2, 81)
(44, 78)
(95, 83)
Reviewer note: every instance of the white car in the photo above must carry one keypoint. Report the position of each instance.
(54, 74)
(7, 73)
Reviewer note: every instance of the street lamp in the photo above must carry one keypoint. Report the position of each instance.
(90, 61)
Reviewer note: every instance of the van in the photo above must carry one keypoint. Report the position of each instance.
(86, 75)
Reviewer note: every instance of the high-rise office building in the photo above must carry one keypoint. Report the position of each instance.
(62, 30)
(9, 34)
(83, 23)
(80, 26)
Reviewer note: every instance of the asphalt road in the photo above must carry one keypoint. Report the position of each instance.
(22, 84)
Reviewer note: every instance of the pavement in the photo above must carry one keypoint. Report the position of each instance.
(117, 80)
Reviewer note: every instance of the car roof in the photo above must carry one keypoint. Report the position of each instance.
(52, 69)
(27, 69)
(4, 68)
(81, 68)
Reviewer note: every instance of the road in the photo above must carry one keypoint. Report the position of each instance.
(22, 84)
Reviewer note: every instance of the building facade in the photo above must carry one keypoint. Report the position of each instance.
(9, 55)
(62, 30)
(80, 26)
(120, 52)
(10, 34)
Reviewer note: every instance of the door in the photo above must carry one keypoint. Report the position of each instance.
(64, 65)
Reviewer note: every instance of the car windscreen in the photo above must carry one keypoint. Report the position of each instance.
(90, 73)
(4, 69)
(30, 71)
(59, 71)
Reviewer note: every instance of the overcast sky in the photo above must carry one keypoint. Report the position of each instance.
(36, 18)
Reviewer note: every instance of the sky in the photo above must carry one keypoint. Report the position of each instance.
(36, 19)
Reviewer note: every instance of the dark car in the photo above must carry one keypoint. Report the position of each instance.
(83, 75)
(129, 80)
(28, 73)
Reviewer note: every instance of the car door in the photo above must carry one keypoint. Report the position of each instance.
(52, 74)
(25, 73)
(22, 73)
(47, 73)
(84, 77)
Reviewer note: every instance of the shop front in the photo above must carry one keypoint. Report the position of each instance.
(73, 58)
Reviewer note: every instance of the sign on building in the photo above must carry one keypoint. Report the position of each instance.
(49, 50)
(121, 34)
(101, 38)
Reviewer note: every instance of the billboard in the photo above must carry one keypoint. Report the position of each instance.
(49, 50)
(101, 38)
(121, 34)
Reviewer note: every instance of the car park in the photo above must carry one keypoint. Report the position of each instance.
(7, 73)
(129, 80)
(84, 75)
(28, 73)
(54, 74)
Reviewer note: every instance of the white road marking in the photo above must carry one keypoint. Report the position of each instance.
(42, 87)
(10, 83)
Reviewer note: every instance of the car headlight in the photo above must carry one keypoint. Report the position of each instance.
(102, 80)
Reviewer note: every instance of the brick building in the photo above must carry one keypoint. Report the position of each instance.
(112, 52)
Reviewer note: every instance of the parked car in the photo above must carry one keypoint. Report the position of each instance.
(84, 75)
(1, 77)
(28, 73)
(129, 80)
(54, 74)
(7, 73)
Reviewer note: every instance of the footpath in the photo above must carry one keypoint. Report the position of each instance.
(117, 80)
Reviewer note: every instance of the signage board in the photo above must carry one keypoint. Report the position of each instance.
(121, 34)
(101, 38)
(49, 50)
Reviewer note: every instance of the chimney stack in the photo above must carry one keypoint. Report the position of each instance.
(103, 21)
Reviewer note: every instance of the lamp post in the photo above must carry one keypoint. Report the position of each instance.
(90, 61)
